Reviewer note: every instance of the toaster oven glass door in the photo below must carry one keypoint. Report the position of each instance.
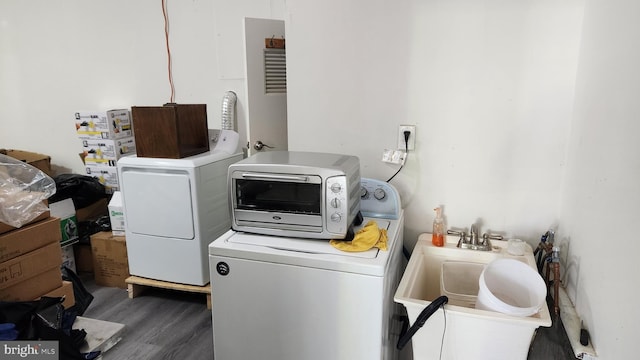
(279, 196)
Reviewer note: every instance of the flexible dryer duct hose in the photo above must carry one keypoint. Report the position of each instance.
(228, 110)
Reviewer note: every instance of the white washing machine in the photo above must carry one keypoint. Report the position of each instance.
(173, 209)
(277, 298)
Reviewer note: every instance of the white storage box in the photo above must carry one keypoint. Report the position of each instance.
(459, 282)
(107, 152)
(106, 175)
(97, 125)
(66, 212)
(116, 214)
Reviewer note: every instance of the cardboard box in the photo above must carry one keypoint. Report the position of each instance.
(99, 125)
(34, 287)
(116, 214)
(110, 263)
(66, 212)
(26, 266)
(4, 228)
(84, 258)
(40, 161)
(172, 131)
(28, 238)
(66, 291)
(106, 175)
(107, 152)
(93, 211)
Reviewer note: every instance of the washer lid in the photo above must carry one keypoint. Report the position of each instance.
(309, 253)
(309, 246)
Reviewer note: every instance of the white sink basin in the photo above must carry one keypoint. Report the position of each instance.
(470, 333)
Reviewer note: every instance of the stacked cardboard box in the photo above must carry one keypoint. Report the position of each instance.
(37, 242)
(106, 136)
(66, 291)
(6, 228)
(110, 262)
(30, 259)
(39, 161)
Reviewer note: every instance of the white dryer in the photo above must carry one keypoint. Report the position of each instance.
(277, 298)
(173, 209)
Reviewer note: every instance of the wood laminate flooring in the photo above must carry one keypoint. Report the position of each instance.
(167, 324)
(159, 324)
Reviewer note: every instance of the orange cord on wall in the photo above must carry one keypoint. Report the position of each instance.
(166, 37)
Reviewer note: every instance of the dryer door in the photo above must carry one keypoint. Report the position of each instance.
(158, 204)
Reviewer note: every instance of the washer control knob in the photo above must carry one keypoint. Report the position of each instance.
(364, 193)
(379, 194)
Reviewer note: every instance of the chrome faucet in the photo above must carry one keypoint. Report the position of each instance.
(473, 235)
(473, 241)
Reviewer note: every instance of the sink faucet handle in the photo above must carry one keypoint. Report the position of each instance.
(487, 236)
(462, 235)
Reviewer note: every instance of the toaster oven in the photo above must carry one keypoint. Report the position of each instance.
(296, 194)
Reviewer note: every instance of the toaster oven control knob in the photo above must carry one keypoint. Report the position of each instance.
(335, 187)
(379, 194)
(335, 217)
(335, 203)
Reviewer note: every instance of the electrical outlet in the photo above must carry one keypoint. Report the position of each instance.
(412, 137)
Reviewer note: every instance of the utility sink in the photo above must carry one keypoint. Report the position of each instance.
(469, 333)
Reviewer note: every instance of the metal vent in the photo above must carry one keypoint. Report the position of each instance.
(275, 71)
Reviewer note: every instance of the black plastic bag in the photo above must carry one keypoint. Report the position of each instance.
(46, 319)
(23, 315)
(82, 189)
(90, 227)
(82, 296)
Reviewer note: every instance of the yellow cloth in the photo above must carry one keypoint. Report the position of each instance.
(366, 238)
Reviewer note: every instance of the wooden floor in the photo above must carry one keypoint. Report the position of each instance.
(168, 324)
(159, 324)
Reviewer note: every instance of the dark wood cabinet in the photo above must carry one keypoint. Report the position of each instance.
(172, 131)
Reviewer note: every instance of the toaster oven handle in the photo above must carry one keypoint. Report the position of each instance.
(275, 177)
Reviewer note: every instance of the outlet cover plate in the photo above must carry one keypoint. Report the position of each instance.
(412, 137)
(394, 156)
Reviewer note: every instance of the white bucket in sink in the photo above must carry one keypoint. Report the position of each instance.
(511, 287)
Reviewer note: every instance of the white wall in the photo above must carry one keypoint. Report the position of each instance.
(56, 59)
(601, 195)
(491, 86)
